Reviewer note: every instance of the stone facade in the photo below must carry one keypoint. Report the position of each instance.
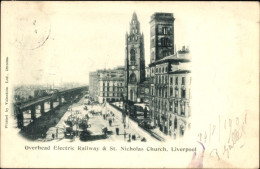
(107, 85)
(170, 78)
(170, 94)
(134, 61)
(161, 36)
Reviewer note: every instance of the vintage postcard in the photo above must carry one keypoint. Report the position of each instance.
(129, 84)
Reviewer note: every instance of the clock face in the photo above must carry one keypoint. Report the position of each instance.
(146, 91)
(132, 67)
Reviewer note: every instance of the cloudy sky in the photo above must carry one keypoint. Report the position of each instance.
(64, 41)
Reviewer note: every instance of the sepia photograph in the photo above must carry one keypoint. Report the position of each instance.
(129, 84)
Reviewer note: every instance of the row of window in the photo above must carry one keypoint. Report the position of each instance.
(111, 94)
(112, 89)
(108, 84)
(161, 70)
(165, 30)
(183, 80)
(161, 79)
(133, 38)
(163, 93)
(134, 30)
(173, 106)
(165, 41)
(111, 99)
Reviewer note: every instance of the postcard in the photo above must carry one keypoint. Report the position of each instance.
(129, 84)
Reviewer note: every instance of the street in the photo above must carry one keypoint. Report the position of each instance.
(97, 122)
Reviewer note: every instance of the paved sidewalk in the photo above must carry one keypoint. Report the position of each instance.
(132, 126)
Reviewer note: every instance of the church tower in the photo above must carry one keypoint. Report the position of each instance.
(134, 60)
(162, 36)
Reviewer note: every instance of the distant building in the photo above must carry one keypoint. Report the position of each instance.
(93, 87)
(107, 85)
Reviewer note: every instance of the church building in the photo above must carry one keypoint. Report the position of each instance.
(134, 60)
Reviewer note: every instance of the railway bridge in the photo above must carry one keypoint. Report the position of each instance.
(31, 105)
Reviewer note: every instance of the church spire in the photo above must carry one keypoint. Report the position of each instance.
(134, 25)
(134, 17)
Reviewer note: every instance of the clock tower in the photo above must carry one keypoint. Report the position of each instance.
(134, 60)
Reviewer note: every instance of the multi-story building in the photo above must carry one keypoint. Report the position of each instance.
(169, 77)
(179, 95)
(93, 88)
(111, 85)
(107, 85)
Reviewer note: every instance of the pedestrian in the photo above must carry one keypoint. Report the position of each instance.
(124, 135)
(133, 137)
(117, 131)
(105, 130)
(53, 136)
(73, 136)
(129, 136)
(110, 122)
(57, 131)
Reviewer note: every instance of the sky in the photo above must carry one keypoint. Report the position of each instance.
(59, 42)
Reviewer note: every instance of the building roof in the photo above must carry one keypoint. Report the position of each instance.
(162, 16)
(180, 71)
(172, 59)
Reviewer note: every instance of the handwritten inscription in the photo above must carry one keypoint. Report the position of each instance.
(228, 131)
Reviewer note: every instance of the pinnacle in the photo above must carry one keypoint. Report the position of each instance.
(134, 16)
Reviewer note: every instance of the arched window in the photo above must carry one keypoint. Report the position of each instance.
(171, 91)
(162, 79)
(175, 123)
(132, 77)
(183, 93)
(183, 108)
(170, 106)
(176, 92)
(131, 95)
(181, 130)
(132, 56)
(165, 53)
(164, 41)
(175, 107)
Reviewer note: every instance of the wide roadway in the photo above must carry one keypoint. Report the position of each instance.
(97, 122)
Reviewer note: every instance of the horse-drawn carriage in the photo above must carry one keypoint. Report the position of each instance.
(74, 124)
(95, 113)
